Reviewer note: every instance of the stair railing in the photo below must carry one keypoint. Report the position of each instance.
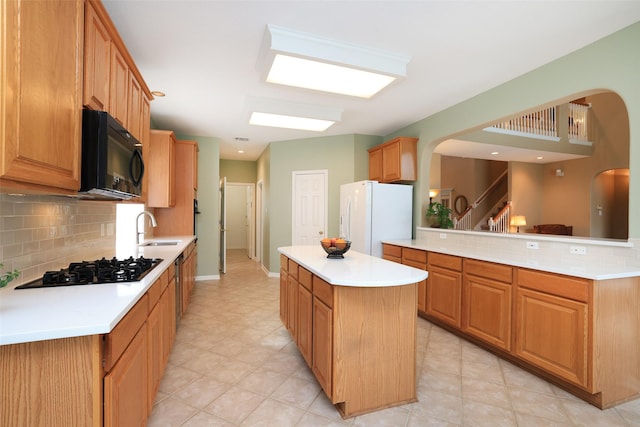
(463, 222)
(500, 222)
(578, 122)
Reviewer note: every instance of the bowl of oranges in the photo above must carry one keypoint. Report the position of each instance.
(335, 247)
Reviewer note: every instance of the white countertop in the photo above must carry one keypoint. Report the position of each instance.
(584, 270)
(355, 269)
(68, 311)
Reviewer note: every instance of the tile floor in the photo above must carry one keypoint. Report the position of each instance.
(233, 364)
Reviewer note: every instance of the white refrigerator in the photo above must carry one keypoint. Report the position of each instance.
(371, 212)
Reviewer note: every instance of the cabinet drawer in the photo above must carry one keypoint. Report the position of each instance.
(415, 255)
(392, 250)
(555, 284)
(489, 270)
(445, 261)
(293, 269)
(154, 292)
(323, 291)
(304, 278)
(420, 265)
(119, 338)
(284, 262)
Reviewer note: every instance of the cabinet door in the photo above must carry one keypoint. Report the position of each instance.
(444, 291)
(169, 318)
(322, 347)
(375, 164)
(134, 106)
(292, 306)
(155, 352)
(125, 386)
(162, 169)
(97, 59)
(391, 162)
(305, 323)
(283, 296)
(41, 91)
(487, 310)
(552, 333)
(118, 91)
(422, 285)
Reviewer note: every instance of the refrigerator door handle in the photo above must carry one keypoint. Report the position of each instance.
(347, 226)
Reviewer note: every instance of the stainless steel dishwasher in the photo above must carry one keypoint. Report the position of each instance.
(178, 265)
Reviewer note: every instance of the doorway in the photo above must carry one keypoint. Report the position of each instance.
(240, 224)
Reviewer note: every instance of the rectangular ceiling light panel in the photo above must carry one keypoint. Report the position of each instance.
(289, 122)
(304, 73)
(304, 60)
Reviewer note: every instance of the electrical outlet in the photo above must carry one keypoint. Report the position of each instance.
(533, 245)
(443, 235)
(578, 250)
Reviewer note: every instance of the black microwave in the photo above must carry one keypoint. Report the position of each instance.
(112, 165)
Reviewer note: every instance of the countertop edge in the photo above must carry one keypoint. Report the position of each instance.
(575, 271)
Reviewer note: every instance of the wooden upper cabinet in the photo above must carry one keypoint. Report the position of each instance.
(41, 92)
(97, 61)
(375, 164)
(118, 98)
(145, 127)
(161, 167)
(394, 161)
(134, 107)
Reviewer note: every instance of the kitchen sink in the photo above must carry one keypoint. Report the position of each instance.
(160, 243)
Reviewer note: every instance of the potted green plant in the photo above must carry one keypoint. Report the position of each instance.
(439, 215)
(7, 277)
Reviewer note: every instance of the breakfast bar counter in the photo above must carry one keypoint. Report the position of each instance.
(354, 322)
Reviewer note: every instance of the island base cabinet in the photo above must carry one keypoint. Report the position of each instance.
(552, 334)
(374, 348)
(68, 369)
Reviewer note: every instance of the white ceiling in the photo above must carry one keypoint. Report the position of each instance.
(203, 53)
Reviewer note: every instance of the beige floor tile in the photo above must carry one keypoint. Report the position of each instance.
(234, 364)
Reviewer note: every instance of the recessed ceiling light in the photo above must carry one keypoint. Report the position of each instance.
(241, 151)
(304, 60)
(158, 93)
(495, 153)
(539, 157)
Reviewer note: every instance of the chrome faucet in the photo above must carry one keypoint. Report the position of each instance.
(154, 223)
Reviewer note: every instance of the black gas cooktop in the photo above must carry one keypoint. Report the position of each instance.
(95, 272)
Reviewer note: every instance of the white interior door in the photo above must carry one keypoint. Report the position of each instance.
(223, 225)
(309, 207)
(251, 220)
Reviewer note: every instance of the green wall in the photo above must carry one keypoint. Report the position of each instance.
(611, 63)
(239, 170)
(336, 154)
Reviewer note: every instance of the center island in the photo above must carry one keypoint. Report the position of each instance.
(354, 322)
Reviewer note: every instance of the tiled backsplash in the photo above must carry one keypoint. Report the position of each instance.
(41, 233)
(552, 251)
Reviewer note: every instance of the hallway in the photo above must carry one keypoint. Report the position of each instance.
(234, 364)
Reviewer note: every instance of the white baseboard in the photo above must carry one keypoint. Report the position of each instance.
(210, 277)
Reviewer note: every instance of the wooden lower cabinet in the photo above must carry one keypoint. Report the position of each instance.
(322, 331)
(553, 325)
(486, 302)
(362, 340)
(125, 386)
(444, 288)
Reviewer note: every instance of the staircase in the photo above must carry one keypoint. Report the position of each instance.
(477, 215)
